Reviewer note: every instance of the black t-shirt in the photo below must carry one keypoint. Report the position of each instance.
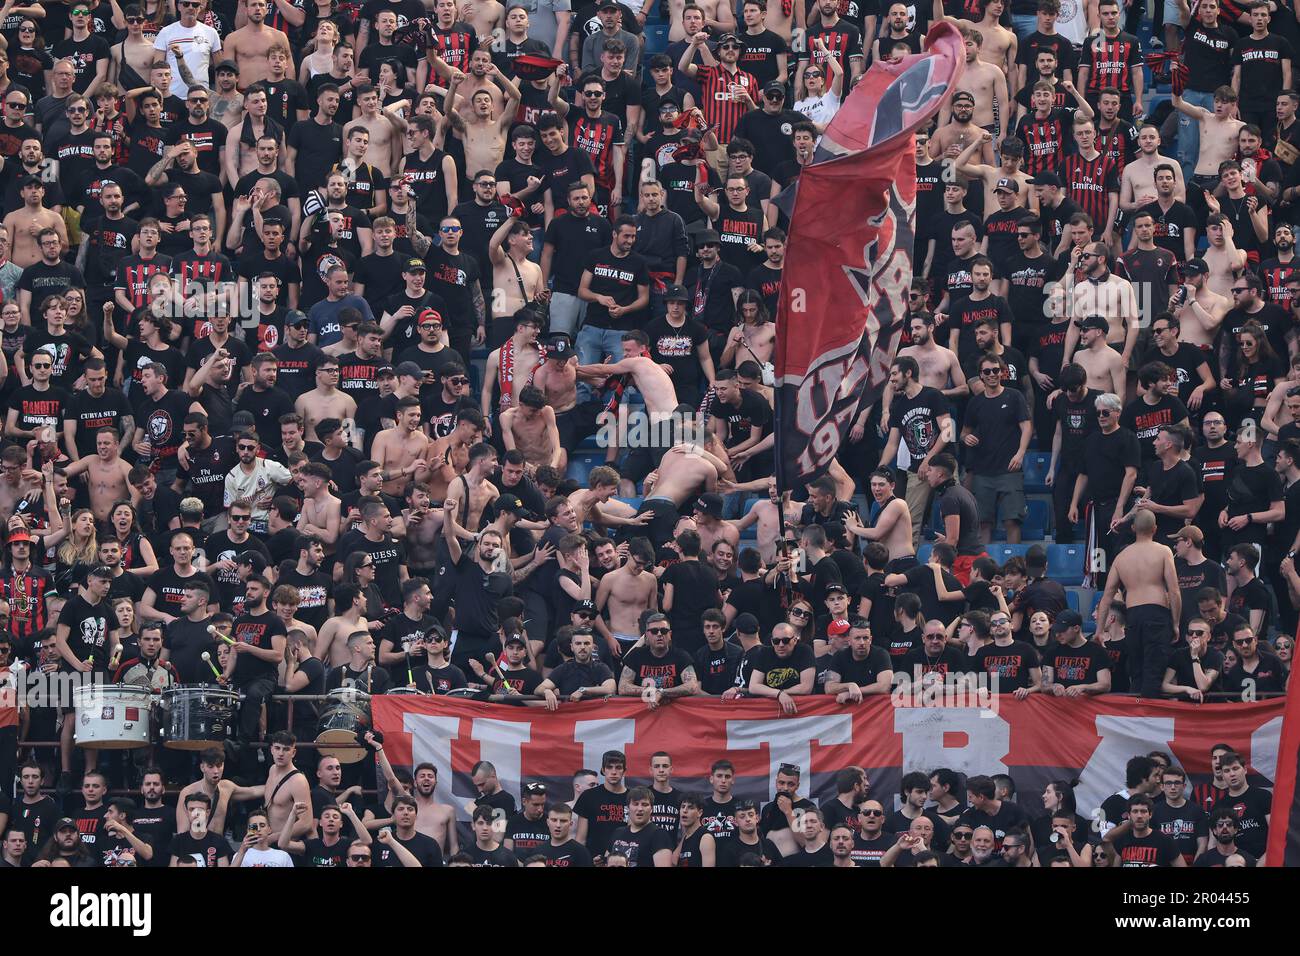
(605, 813)
(676, 346)
(917, 420)
(88, 629)
(618, 278)
(716, 670)
(569, 853)
(1027, 281)
(783, 673)
(861, 672)
(665, 671)
(424, 848)
(995, 420)
(1078, 420)
(1010, 816)
(388, 554)
(1173, 486)
(1076, 665)
(1011, 663)
(38, 409)
(1106, 457)
(256, 630)
(205, 852)
(641, 846)
(920, 581)
(1154, 849)
(453, 277)
(92, 414)
(695, 590)
(1251, 488)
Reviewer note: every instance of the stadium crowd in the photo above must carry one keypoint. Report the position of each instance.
(391, 348)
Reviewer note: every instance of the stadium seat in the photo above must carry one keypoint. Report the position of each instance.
(923, 552)
(1090, 625)
(656, 39)
(1001, 552)
(1036, 463)
(580, 466)
(1065, 563)
(1035, 525)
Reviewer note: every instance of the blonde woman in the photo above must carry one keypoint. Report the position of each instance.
(76, 548)
(321, 58)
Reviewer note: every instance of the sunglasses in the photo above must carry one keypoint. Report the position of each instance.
(1024, 235)
(999, 621)
(247, 448)
(242, 517)
(965, 835)
(799, 612)
(593, 92)
(782, 641)
(486, 182)
(729, 46)
(659, 630)
(1243, 641)
(359, 858)
(587, 615)
(990, 371)
(1104, 413)
(42, 365)
(449, 228)
(128, 20)
(1198, 633)
(808, 73)
(871, 813)
(76, 109)
(459, 380)
(197, 99)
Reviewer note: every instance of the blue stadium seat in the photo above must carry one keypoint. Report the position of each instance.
(923, 552)
(1035, 525)
(1035, 467)
(1089, 625)
(580, 466)
(749, 505)
(1065, 563)
(1000, 551)
(656, 38)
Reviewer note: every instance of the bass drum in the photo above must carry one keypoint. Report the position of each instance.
(345, 718)
(111, 717)
(199, 716)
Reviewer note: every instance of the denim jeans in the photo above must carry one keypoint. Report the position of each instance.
(1189, 131)
(594, 344)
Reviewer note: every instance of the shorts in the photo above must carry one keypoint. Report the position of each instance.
(1006, 489)
(666, 515)
(626, 640)
(639, 462)
(901, 565)
(961, 566)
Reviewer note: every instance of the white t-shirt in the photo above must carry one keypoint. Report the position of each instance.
(819, 109)
(274, 857)
(198, 44)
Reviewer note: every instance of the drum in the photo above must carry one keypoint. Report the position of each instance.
(111, 717)
(407, 692)
(198, 716)
(345, 718)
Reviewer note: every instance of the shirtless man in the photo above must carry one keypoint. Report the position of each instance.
(1106, 370)
(1145, 572)
(529, 425)
(596, 502)
(951, 138)
(1137, 185)
(1224, 260)
(1012, 155)
(1197, 307)
(106, 474)
(385, 147)
(423, 526)
(987, 85)
(686, 469)
(1219, 134)
(211, 783)
(649, 377)
(321, 511)
(1106, 294)
(765, 514)
(27, 222)
(449, 456)
(626, 594)
(940, 367)
(893, 524)
(484, 16)
(516, 279)
(403, 450)
(997, 44)
(474, 490)
(719, 15)
(285, 602)
(557, 377)
(433, 819)
(135, 53)
(484, 129)
(249, 45)
(286, 785)
(332, 642)
(710, 524)
(510, 367)
(325, 400)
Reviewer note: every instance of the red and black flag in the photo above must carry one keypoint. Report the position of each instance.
(849, 259)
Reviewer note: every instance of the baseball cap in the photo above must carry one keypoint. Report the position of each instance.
(728, 38)
(836, 586)
(415, 264)
(65, 823)
(607, 5)
(1010, 185)
(1195, 267)
(1045, 179)
(710, 503)
(676, 293)
(746, 623)
(963, 95)
(296, 317)
(511, 504)
(18, 536)
(585, 606)
(384, 371)
(1189, 533)
(707, 237)
(775, 86)
(255, 559)
(515, 639)
(559, 346)
(411, 369)
(533, 66)
(29, 180)
(428, 315)
(1094, 322)
(837, 627)
(1066, 620)
(227, 66)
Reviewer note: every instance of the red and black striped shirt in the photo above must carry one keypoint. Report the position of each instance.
(1089, 182)
(597, 137)
(721, 108)
(455, 44)
(26, 596)
(1110, 62)
(1276, 275)
(1046, 140)
(134, 273)
(1118, 144)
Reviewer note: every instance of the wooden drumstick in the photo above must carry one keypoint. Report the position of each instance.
(207, 659)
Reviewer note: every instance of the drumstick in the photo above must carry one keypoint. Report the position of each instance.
(212, 629)
(207, 659)
(410, 678)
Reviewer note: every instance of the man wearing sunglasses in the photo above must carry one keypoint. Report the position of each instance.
(88, 53)
(1223, 828)
(1258, 668)
(198, 43)
(784, 671)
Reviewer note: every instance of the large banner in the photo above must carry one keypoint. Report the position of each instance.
(849, 255)
(1284, 824)
(1035, 740)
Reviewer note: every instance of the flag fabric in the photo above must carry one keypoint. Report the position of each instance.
(1036, 740)
(1284, 820)
(849, 255)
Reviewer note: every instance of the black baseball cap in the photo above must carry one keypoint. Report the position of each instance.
(1066, 620)
(1195, 267)
(415, 264)
(676, 293)
(1045, 179)
(746, 623)
(775, 86)
(296, 317)
(1010, 185)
